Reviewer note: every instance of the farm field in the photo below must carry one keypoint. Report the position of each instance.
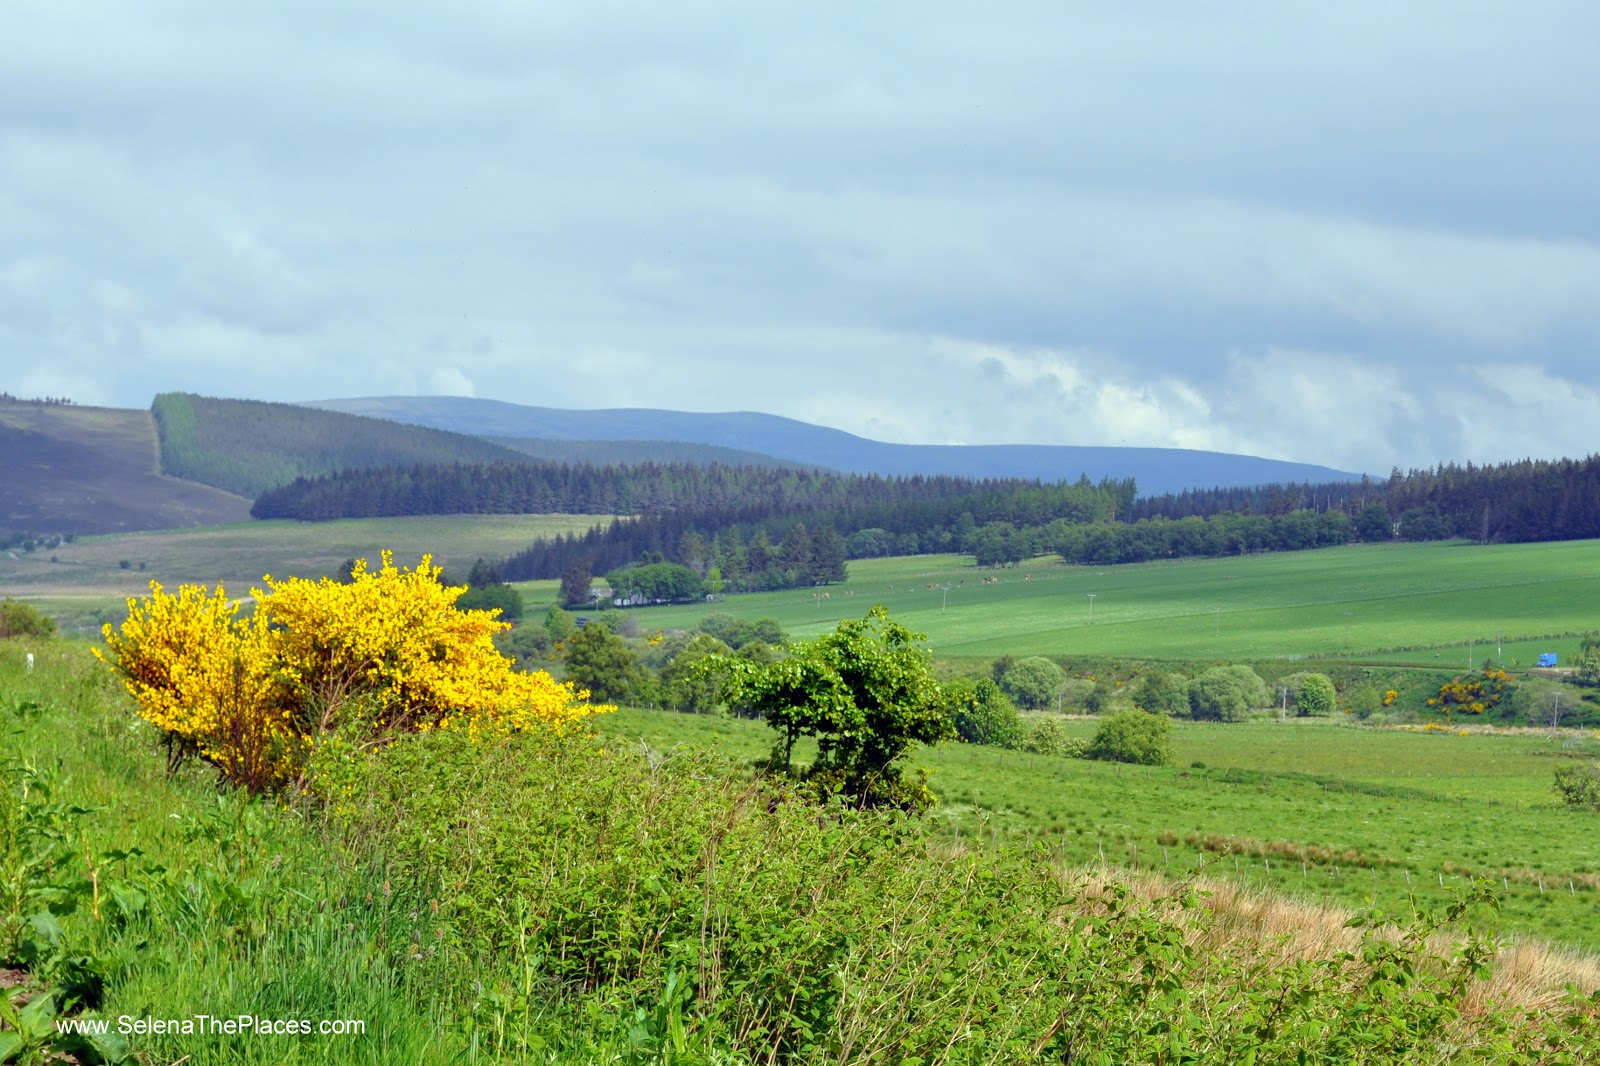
(1285, 605)
(88, 580)
(1328, 810)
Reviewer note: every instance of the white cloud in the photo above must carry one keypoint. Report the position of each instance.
(449, 381)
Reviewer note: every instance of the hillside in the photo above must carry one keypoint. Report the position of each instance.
(248, 446)
(71, 469)
(635, 452)
(1157, 470)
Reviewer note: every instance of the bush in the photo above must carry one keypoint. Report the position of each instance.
(1163, 693)
(982, 714)
(1032, 682)
(1048, 736)
(384, 654)
(1579, 786)
(1134, 737)
(1227, 693)
(1313, 695)
(18, 619)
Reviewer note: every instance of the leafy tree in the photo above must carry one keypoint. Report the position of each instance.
(602, 662)
(982, 714)
(866, 691)
(575, 581)
(558, 622)
(1134, 737)
(1227, 693)
(686, 688)
(1316, 696)
(1163, 693)
(1048, 736)
(1373, 525)
(1032, 682)
(657, 581)
(491, 597)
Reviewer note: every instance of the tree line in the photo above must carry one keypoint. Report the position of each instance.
(1511, 502)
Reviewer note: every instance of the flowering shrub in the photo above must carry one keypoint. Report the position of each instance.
(1473, 694)
(384, 654)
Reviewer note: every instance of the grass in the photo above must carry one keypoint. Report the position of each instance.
(87, 583)
(1428, 597)
(1376, 814)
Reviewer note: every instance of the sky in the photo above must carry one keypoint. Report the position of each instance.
(1361, 234)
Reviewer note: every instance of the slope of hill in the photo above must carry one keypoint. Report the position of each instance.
(71, 469)
(248, 446)
(1157, 470)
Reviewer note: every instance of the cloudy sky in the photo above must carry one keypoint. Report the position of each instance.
(1357, 234)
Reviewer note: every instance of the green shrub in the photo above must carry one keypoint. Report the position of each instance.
(1047, 736)
(982, 714)
(1163, 693)
(19, 619)
(1579, 786)
(1134, 737)
(1227, 693)
(1032, 682)
(1315, 696)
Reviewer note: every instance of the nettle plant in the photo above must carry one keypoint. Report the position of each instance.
(342, 666)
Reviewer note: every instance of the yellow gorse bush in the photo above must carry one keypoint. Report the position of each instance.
(387, 652)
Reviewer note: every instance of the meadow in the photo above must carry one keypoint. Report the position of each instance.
(1320, 809)
(86, 582)
(1404, 604)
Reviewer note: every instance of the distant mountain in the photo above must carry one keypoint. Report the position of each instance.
(634, 452)
(1156, 470)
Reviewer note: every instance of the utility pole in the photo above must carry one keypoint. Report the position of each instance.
(945, 601)
(1218, 610)
(1347, 631)
(1091, 608)
(1283, 712)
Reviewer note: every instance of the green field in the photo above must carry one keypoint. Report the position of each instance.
(1328, 810)
(1430, 598)
(87, 579)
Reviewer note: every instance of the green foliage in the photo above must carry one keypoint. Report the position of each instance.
(685, 687)
(1032, 682)
(1311, 695)
(1579, 786)
(602, 662)
(1163, 692)
(1133, 737)
(738, 632)
(866, 691)
(656, 583)
(575, 581)
(1227, 693)
(982, 714)
(19, 619)
(494, 597)
(1047, 736)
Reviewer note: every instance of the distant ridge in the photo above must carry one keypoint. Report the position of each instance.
(1156, 470)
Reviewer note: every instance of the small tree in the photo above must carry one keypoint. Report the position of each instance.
(866, 691)
(1133, 737)
(1227, 693)
(575, 582)
(1579, 786)
(1316, 696)
(600, 661)
(687, 688)
(982, 714)
(1163, 693)
(1032, 682)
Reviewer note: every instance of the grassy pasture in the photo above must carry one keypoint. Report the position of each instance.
(1374, 815)
(1429, 597)
(88, 580)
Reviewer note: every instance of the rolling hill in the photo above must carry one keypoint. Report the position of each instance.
(1157, 470)
(71, 469)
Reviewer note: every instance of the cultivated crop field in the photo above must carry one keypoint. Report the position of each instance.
(1311, 807)
(1359, 602)
(88, 579)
